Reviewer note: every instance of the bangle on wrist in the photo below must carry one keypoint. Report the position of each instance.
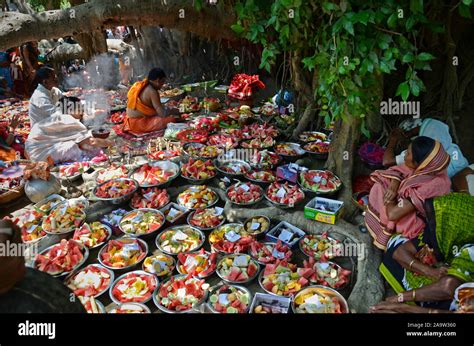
(414, 295)
(411, 264)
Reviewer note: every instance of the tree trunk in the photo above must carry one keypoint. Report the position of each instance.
(211, 21)
(341, 159)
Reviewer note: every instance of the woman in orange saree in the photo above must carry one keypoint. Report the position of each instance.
(396, 200)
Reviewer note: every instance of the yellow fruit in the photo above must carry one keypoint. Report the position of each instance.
(275, 289)
(258, 309)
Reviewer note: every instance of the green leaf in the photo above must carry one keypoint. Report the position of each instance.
(403, 90)
(341, 70)
(467, 2)
(349, 27)
(285, 31)
(329, 6)
(286, 3)
(237, 28)
(362, 17)
(416, 6)
(384, 67)
(411, 21)
(414, 87)
(425, 57)
(198, 5)
(408, 57)
(465, 11)
(364, 130)
(392, 20)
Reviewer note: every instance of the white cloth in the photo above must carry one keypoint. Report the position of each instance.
(57, 136)
(439, 131)
(470, 181)
(43, 103)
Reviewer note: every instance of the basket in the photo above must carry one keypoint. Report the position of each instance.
(10, 196)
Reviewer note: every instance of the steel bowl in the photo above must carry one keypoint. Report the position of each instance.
(210, 205)
(245, 204)
(254, 257)
(260, 282)
(85, 253)
(314, 193)
(197, 276)
(300, 242)
(117, 200)
(109, 234)
(263, 166)
(110, 272)
(186, 147)
(241, 288)
(173, 266)
(338, 267)
(46, 200)
(259, 182)
(218, 164)
(190, 216)
(142, 306)
(175, 169)
(168, 311)
(197, 181)
(237, 282)
(258, 234)
(143, 245)
(201, 243)
(140, 272)
(291, 158)
(68, 230)
(144, 210)
(213, 249)
(323, 290)
(301, 136)
(282, 205)
(319, 156)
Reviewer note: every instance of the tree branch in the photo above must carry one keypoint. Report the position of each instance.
(17, 28)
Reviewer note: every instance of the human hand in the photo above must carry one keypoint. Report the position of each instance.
(395, 136)
(438, 273)
(392, 192)
(15, 121)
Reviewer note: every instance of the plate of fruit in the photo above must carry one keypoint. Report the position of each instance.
(284, 195)
(223, 141)
(92, 235)
(64, 218)
(156, 174)
(202, 151)
(312, 136)
(116, 191)
(320, 300)
(200, 264)
(48, 203)
(91, 281)
(233, 168)
(230, 238)
(206, 219)
(92, 305)
(130, 308)
(159, 264)
(62, 258)
(180, 294)
(261, 177)
(30, 223)
(244, 194)
(269, 253)
(321, 247)
(198, 197)
(284, 279)
(229, 299)
(257, 130)
(289, 151)
(198, 171)
(192, 135)
(257, 225)
(264, 159)
(137, 286)
(318, 149)
(152, 197)
(180, 239)
(237, 268)
(73, 171)
(142, 222)
(258, 143)
(112, 172)
(320, 182)
(328, 274)
(122, 253)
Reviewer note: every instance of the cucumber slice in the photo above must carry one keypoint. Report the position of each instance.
(213, 299)
(232, 310)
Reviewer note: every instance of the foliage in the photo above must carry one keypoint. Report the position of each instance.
(41, 5)
(350, 43)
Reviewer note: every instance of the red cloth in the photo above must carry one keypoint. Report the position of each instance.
(243, 86)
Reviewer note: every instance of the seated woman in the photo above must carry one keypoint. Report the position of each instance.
(11, 146)
(431, 128)
(145, 113)
(63, 138)
(430, 267)
(397, 197)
